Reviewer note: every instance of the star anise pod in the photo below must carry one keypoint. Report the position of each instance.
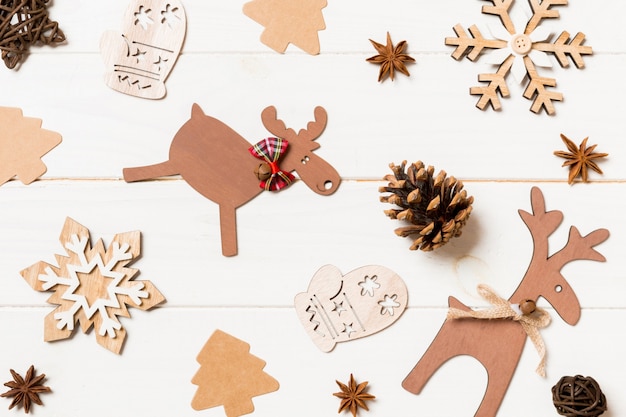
(353, 396)
(391, 58)
(579, 159)
(25, 390)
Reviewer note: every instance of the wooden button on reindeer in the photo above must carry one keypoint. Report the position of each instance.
(205, 150)
(498, 344)
(139, 59)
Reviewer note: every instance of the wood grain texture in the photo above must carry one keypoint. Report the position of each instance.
(428, 116)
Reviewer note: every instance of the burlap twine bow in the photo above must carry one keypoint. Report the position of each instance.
(531, 323)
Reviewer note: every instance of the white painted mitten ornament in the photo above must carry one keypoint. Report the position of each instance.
(339, 308)
(139, 59)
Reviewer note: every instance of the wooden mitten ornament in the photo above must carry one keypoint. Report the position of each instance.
(222, 166)
(517, 45)
(339, 308)
(230, 376)
(22, 145)
(139, 59)
(92, 286)
(289, 21)
(498, 343)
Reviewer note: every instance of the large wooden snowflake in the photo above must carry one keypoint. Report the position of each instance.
(92, 286)
(518, 47)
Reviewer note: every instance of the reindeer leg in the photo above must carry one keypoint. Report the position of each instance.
(228, 230)
(147, 172)
(499, 376)
(440, 350)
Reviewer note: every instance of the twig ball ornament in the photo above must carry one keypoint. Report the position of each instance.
(437, 207)
(578, 396)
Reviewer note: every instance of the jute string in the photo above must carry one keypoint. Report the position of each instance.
(531, 323)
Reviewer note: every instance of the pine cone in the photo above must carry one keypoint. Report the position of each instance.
(437, 207)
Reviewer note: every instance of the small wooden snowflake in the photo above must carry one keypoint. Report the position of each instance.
(92, 286)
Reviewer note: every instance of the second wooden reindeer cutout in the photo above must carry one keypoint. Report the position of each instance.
(222, 166)
(498, 344)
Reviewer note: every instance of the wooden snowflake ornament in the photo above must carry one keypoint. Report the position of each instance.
(139, 59)
(92, 286)
(518, 46)
(230, 376)
(496, 336)
(289, 21)
(22, 145)
(340, 308)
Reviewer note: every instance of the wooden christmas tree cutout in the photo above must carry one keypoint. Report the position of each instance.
(230, 376)
(498, 344)
(518, 46)
(338, 308)
(288, 21)
(92, 286)
(222, 166)
(139, 59)
(22, 145)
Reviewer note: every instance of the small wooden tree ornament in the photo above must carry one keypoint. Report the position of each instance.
(518, 47)
(139, 59)
(339, 308)
(224, 167)
(92, 286)
(22, 145)
(230, 376)
(288, 21)
(498, 344)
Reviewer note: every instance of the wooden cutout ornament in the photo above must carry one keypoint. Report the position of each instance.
(289, 21)
(518, 45)
(498, 344)
(92, 286)
(22, 145)
(230, 376)
(222, 166)
(139, 59)
(339, 308)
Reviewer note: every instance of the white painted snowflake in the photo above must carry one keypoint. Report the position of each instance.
(518, 46)
(92, 286)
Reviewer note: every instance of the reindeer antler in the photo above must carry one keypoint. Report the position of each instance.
(542, 224)
(277, 127)
(315, 128)
(274, 125)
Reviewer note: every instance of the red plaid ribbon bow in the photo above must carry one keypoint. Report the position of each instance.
(270, 150)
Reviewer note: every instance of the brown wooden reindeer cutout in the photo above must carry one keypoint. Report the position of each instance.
(221, 165)
(498, 344)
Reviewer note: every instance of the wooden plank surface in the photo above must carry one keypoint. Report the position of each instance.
(285, 238)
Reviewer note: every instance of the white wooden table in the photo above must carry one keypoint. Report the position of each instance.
(429, 116)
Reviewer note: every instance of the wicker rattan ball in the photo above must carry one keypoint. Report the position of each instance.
(575, 396)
